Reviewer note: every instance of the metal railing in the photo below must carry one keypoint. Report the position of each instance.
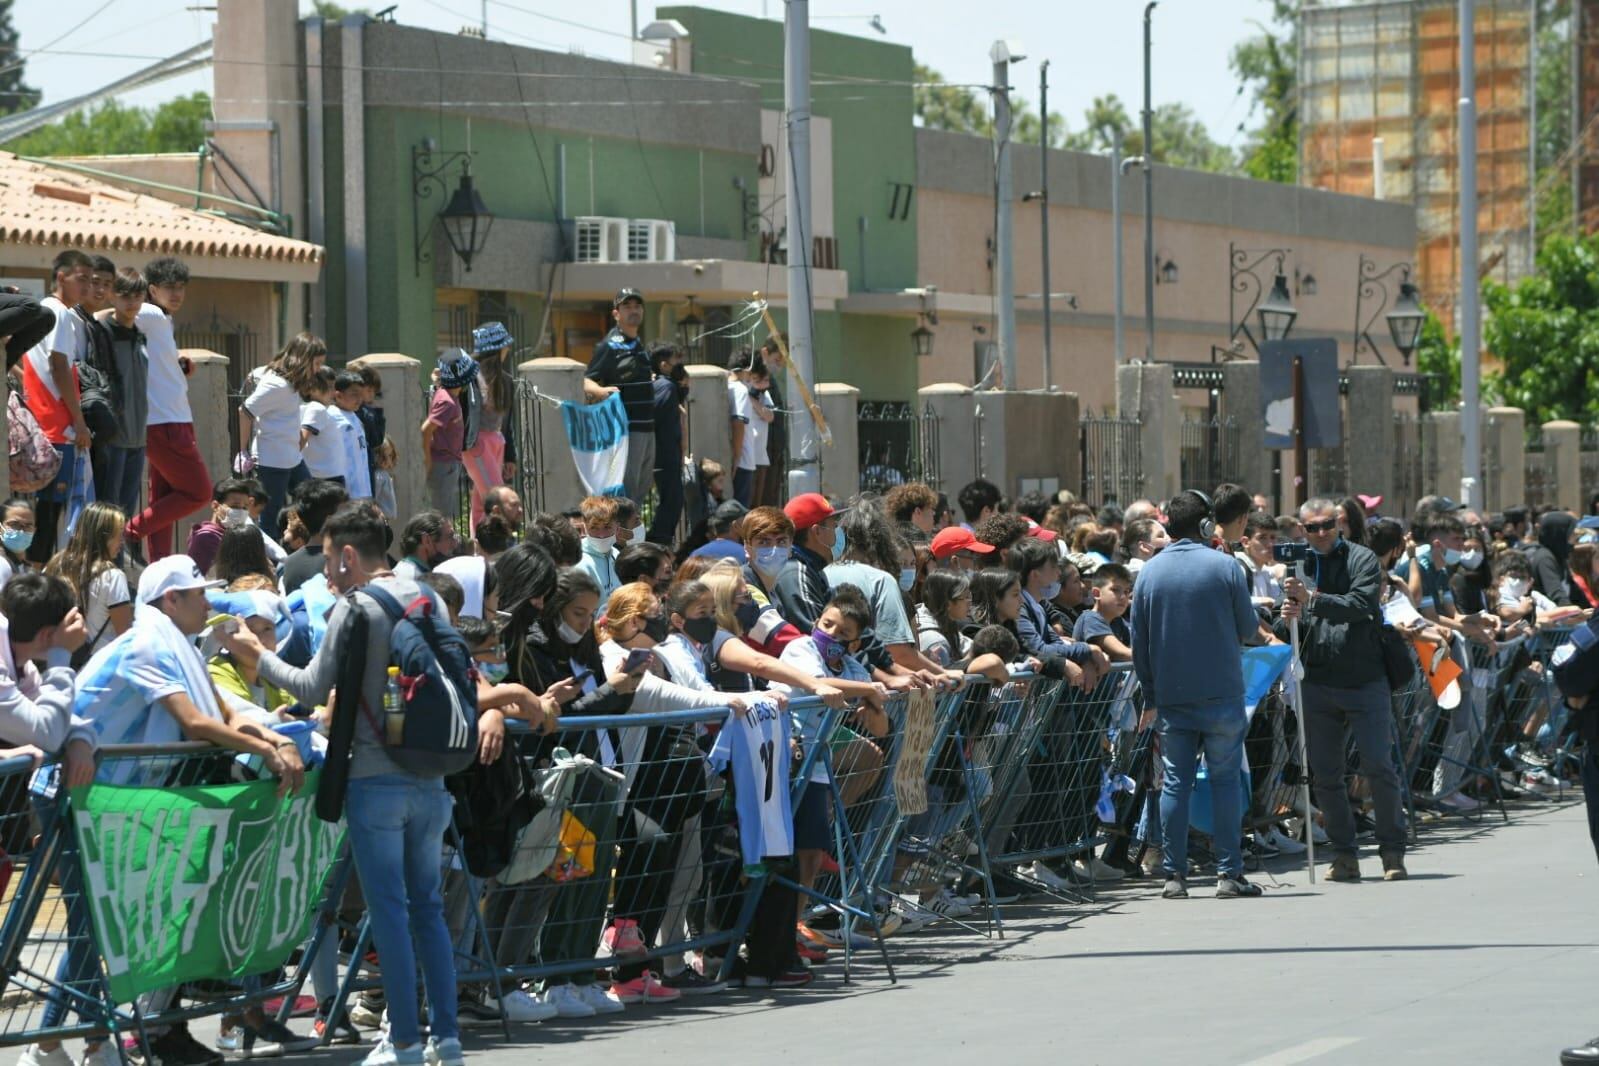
(1409, 465)
(1541, 486)
(1211, 452)
(1112, 459)
(891, 445)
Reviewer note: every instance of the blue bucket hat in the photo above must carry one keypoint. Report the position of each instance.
(491, 337)
(456, 369)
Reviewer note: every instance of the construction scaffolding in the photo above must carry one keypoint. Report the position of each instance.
(1392, 70)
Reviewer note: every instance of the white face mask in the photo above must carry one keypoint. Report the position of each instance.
(1471, 559)
(599, 545)
(1516, 588)
(638, 535)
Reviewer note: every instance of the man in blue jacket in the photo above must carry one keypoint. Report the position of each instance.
(1191, 615)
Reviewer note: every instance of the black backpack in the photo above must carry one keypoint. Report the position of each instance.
(99, 385)
(439, 689)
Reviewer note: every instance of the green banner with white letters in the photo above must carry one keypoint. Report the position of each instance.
(211, 881)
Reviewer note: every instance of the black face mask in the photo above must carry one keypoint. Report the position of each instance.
(700, 630)
(748, 614)
(656, 628)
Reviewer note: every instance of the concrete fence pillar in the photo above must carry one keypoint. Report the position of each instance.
(1030, 441)
(710, 429)
(952, 430)
(1241, 404)
(1504, 458)
(841, 463)
(1369, 430)
(558, 379)
(404, 407)
(1440, 445)
(1562, 444)
(208, 405)
(1144, 393)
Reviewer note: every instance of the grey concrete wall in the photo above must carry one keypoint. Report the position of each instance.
(1030, 436)
(955, 416)
(416, 68)
(841, 463)
(404, 407)
(208, 403)
(1241, 403)
(710, 432)
(1144, 392)
(1440, 437)
(1369, 430)
(558, 379)
(1562, 442)
(1505, 436)
(960, 162)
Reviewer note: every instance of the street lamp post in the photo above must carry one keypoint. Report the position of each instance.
(1273, 309)
(1405, 318)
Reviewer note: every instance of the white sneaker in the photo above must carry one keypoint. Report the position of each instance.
(1098, 871)
(386, 1054)
(1540, 780)
(1046, 877)
(1283, 842)
(1460, 801)
(914, 915)
(519, 1006)
(104, 1055)
(600, 998)
(34, 1055)
(950, 905)
(446, 1052)
(567, 1001)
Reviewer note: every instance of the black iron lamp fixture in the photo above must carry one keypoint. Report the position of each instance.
(1304, 283)
(1405, 318)
(921, 338)
(465, 218)
(1273, 310)
(1165, 269)
(689, 329)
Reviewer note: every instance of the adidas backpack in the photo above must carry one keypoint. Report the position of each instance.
(438, 685)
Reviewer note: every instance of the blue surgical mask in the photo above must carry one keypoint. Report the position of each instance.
(16, 541)
(1451, 556)
(770, 560)
(494, 673)
(1049, 591)
(907, 578)
(838, 542)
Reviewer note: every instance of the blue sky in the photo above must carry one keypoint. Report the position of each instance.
(1094, 48)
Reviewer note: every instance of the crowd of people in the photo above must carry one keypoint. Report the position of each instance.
(283, 611)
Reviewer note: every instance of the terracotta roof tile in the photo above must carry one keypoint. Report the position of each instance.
(45, 205)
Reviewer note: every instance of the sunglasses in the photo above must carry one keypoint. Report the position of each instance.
(1321, 527)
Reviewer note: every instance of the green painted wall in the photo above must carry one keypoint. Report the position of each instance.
(874, 137)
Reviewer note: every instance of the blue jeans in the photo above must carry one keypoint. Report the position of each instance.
(1219, 733)
(278, 482)
(396, 825)
(79, 967)
(124, 477)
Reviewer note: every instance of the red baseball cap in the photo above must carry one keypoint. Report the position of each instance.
(947, 542)
(808, 509)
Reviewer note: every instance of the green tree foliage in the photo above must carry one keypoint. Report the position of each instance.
(326, 9)
(1439, 356)
(112, 128)
(1266, 67)
(15, 93)
(1545, 332)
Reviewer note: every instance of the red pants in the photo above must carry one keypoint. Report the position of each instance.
(179, 486)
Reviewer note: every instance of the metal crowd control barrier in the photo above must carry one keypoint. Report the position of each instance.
(55, 979)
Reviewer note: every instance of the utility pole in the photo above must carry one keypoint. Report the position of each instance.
(1043, 213)
(1470, 324)
(805, 473)
(1003, 56)
(1149, 197)
(1116, 165)
(485, 25)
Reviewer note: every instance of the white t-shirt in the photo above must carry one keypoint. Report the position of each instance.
(738, 398)
(324, 449)
(275, 406)
(169, 389)
(108, 589)
(357, 471)
(67, 337)
(760, 429)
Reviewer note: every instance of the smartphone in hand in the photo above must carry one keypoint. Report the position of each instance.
(638, 659)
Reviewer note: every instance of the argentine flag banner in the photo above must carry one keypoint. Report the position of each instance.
(598, 436)
(1262, 667)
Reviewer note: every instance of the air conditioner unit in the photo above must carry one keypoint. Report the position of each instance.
(651, 240)
(598, 239)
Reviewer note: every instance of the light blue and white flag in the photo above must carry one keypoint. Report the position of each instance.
(598, 436)
(1262, 667)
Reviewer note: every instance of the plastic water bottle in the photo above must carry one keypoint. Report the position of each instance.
(393, 709)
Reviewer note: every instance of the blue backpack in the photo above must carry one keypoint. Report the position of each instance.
(438, 684)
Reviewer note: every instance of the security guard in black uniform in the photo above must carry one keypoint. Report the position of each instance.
(1576, 670)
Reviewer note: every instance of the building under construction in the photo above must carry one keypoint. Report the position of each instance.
(1391, 70)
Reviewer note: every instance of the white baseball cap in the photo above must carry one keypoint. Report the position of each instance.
(175, 573)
